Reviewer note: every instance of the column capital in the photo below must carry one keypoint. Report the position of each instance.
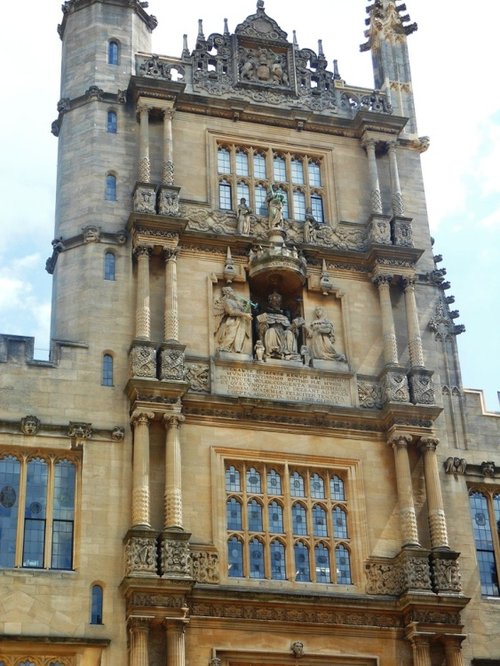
(409, 283)
(428, 443)
(400, 440)
(171, 253)
(141, 418)
(138, 624)
(368, 143)
(143, 106)
(173, 420)
(142, 251)
(380, 280)
(168, 114)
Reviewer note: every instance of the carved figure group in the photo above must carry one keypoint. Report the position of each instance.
(263, 66)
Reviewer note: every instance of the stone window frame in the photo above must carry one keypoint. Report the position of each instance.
(97, 603)
(111, 187)
(51, 458)
(109, 266)
(230, 181)
(328, 468)
(107, 369)
(111, 121)
(113, 51)
(490, 493)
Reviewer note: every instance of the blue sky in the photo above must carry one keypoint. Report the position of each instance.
(454, 69)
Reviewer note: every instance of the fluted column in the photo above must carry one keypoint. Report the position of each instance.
(397, 197)
(140, 470)
(143, 310)
(407, 514)
(176, 651)
(414, 339)
(375, 196)
(167, 176)
(173, 470)
(139, 632)
(171, 321)
(453, 650)
(388, 329)
(435, 506)
(144, 166)
(421, 650)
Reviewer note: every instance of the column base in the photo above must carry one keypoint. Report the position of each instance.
(142, 359)
(144, 198)
(395, 384)
(168, 200)
(172, 361)
(175, 555)
(421, 386)
(141, 553)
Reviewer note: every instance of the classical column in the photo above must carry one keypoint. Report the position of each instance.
(435, 507)
(176, 655)
(388, 329)
(414, 339)
(140, 470)
(376, 198)
(421, 650)
(171, 321)
(167, 176)
(397, 197)
(453, 650)
(407, 515)
(139, 631)
(143, 311)
(173, 484)
(144, 167)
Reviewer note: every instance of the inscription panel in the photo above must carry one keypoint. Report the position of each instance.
(288, 386)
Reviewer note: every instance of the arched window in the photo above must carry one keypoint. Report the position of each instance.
(253, 481)
(235, 558)
(319, 521)
(322, 563)
(233, 514)
(317, 486)
(225, 198)
(254, 516)
(232, 479)
(339, 523)
(223, 161)
(297, 485)
(337, 488)
(110, 194)
(278, 562)
(273, 483)
(302, 568)
(260, 200)
(299, 205)
(112, 124)
(299, 519)
(241, 163)
(256, 549)
(96, 600)
(113, 52)
(109, 265)
(10, 470)
(317, 207)
(107, 370)
(275, 518)
(343, 564)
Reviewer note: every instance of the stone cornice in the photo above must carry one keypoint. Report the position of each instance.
(90, 234)
(92, 94)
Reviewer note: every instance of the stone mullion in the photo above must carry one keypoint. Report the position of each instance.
(143, 309)
(435, 506)
(144, 166)
(414, 339)
(171, 314)
(388, 328)
(289, 186)
(167, 177)
(397, 197)
(176, 650)
(140, 470)
(233, 178)
(139, 632)
(307, 186)
(173, 470)
(407, 514)
(375, 195)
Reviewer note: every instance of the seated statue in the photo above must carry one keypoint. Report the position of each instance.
(233, 322)
(321, 335)
(277, 333)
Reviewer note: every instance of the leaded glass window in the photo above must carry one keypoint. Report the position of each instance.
(485, 514)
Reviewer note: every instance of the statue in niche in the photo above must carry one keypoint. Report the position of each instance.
(321, 334)
(275, 202)
(277, 333)
(244, 213)
(233, 322)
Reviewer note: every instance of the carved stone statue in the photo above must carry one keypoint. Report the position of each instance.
(277, 333)
(321, 335)
(275, 201)
(244, 213)
(233, 319)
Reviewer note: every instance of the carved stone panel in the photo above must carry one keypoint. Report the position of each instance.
(143, 360)
(175, 556)
(205, 566)
(141, 554)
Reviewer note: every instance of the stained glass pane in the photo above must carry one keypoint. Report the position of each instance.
(96, 605)
(337, 488)
(299, 519)
(297, 488)
(259, 166)
(275, 518)
(256, 549)
(322, 562)
(235, 558)
(278, 562)
(9, 504)
(62, 544)
(253, 481)
(484, 543)
(343, 564)
(302, 569)
(317, 486)
(243, 192)
(273, 483)
(233, 514)
(319, 521)
(35, 513)
(260, 200)
(254, 516)
(107, 370)
(232, 479)
(112, 124)
(339, 523)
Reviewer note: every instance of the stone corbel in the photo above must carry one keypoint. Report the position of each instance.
(79, 433)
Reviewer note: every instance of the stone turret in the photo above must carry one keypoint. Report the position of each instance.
(388, 28)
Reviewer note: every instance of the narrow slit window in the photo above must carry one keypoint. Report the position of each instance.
(112, 125)
(113, 52)
(110, 187)
(96, 605)
(109, 266)
(107, 370)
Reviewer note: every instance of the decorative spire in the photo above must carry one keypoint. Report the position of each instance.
(320, 47)
(260, 6)
(226, 27)
(185, 48)
(201, 36)
(295, 42)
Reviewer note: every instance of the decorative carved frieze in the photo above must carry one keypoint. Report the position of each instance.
(142, 359)
(141, 553)
(198, 376)
(370, 395)
(89, 234)
(409, 571)
(205, 566)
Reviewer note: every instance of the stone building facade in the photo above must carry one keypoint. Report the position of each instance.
(251, 443)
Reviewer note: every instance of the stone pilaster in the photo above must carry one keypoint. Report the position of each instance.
(144, 166)
(414, 339)
(176, 651)
(143, 308)
(173, 470)
(453, 650)
(171, 313)
(421, 644)
(407, 514)
(383, 283)
(375, 196)
(435, 507)
(140, 470)
(397, 197)
(167, 175)
(139, 632)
